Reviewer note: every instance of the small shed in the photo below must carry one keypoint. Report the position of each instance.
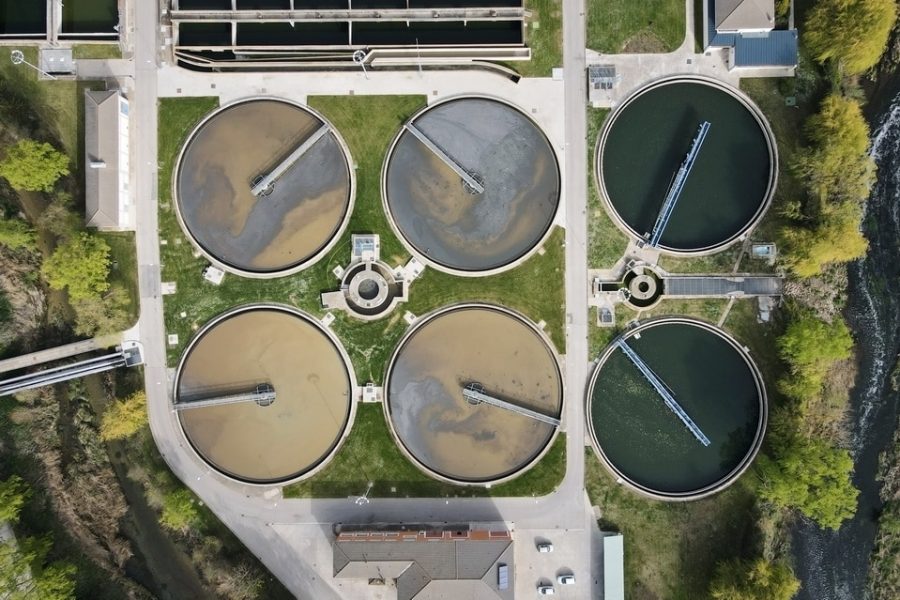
(613, 567)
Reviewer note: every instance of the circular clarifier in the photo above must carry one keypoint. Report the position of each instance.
(269, 441)
(730, 185)
(241, 224)
(713, 381)
(445, 218)
(495, 351)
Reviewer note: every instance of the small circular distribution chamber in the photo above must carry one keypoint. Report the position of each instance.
(263, 394)
(471, 185)
(263, 187)
(724, 191)
(696, 435)
(474, 394)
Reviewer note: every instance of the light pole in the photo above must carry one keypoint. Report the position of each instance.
(359, 57)
(364, 499)
(18, 58)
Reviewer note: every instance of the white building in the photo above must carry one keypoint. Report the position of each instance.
(108, 202)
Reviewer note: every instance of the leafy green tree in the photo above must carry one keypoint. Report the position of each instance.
(810, 476)
(100, 315)
(124, 419)
(853, 33)
(810, 347)
(59, 218)
(13, 494)
(837, 238)
(180, 511)
(16, 234)
(25, 576)
(753, 580)
(836, 166)
(81, 264)
(33, 166)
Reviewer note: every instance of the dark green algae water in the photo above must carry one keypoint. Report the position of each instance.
(647, 143)
(645, 440)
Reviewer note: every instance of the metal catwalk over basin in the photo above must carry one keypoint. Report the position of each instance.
(474, 394)
(472, 184)
(263, 395)
(663, 391)
(665, 213)
(263, 183)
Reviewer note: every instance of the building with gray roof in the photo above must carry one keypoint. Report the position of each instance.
(746, 28)
(108, 205)
(430, 564)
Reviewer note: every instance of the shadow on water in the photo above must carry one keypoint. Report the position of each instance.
(834, 565)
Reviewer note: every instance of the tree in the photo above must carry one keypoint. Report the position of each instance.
(180, 512)
(81, 264)
(59, 218)
(33, 166)
(124, 419)
(837, 238)
(810, 347)
(16, 234)
(853, 33)
(24, 575)
(753, 580)
(13, 494)
(810, 476)
(100, 315)
(837, 166)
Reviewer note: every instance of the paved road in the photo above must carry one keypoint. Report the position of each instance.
(276, 529)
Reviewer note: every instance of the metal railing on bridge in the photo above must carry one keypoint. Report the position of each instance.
(263, 395)
(474, 394)
(83, 368)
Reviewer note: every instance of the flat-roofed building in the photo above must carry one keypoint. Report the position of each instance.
(747, 29)
(613, 567)
(108, 204)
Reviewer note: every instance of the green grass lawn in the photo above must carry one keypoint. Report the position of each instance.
(370, 454)
(544, 36)
(368, 124)
(96, 51)
(672, 548)
(625, 26)
(123, 271)
(606, 242)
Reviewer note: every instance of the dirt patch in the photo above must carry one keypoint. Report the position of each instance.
(27, 302)
(644, 42)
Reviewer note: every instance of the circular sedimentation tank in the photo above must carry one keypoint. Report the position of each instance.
(265, 442)
(644, 442)
(442, 217)
(647, 138)
(281, 229)
(451, 438)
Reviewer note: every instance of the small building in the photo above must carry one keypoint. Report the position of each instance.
(613, 567)
(108, 203)
(746, 28)
(430, 563)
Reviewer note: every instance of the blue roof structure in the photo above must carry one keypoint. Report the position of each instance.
(776, 48)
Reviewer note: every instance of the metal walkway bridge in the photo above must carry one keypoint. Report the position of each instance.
(91, 366)
(263, 395)
(474, 394)
(664, 392)
(668, 206)
(722, 285)
(471, 182)
(262, 184)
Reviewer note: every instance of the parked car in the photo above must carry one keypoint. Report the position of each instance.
(545, 590)
(565, 579)
(545, 547)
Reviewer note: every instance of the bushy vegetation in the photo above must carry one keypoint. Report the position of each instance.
(850, 33)
(80, 265)
(753, 580)
(33, 166)
(26, 573)
(16, 234)
(124, 418)
(837, 173)
(810, 347)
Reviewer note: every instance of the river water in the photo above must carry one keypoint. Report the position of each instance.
(834, 565)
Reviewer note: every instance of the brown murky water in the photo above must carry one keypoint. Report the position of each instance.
(267, 233)
(437, 425)
(504, 150)
(276, 442)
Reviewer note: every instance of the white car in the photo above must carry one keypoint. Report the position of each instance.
(545, 590)
(565, 579)
(545, 547)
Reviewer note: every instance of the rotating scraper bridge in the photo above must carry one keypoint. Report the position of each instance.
(474, 393)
